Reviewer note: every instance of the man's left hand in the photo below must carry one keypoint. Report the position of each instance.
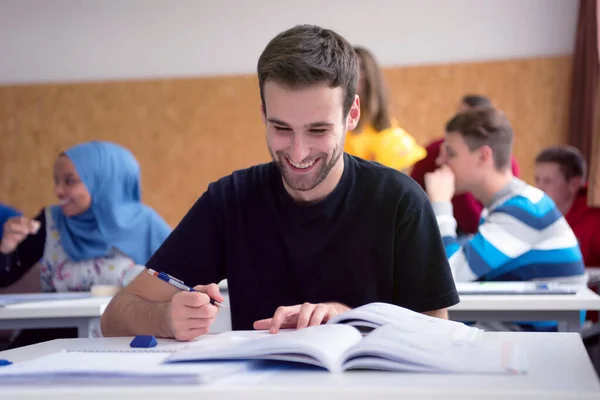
(300, 316)
(439, 185)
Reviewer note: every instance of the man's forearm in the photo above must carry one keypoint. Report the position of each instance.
(129, 315)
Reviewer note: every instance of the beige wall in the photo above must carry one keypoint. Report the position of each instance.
(189, 132)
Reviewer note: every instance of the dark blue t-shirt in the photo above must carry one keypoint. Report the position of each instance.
(374, 238)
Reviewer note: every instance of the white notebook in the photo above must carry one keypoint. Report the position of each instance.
(114, 367)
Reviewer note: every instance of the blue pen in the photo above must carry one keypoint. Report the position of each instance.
(180, 285)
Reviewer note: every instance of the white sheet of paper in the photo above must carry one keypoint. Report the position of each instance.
(114, 367)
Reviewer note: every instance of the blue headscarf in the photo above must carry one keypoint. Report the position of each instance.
(116, 217)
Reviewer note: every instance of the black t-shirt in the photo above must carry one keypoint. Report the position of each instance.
(374, 238)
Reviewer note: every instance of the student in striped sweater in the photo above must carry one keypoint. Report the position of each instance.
(522, 234)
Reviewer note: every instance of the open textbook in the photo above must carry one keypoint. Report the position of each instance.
(373, 315)
(376, 336)
(401, 340)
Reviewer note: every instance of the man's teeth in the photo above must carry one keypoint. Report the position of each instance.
(302, 165)
(64, 202)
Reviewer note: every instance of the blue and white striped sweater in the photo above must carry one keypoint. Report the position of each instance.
(522, 236)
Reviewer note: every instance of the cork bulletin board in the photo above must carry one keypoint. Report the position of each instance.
(189, 132)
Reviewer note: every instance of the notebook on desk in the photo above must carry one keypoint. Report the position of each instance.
(513, 288)
(115, 368)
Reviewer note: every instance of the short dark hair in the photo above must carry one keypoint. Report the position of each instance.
(476, 100)
(485, 126)
(569, 159)
(306, 55)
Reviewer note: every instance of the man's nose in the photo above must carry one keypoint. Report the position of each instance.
(299, 149)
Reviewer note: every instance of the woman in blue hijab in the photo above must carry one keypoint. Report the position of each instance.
(99, 233)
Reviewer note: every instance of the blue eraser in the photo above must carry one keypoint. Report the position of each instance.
(144, 341)
(4, 363)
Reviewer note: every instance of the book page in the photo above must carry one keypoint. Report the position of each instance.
(322, 345)
(392, 348)
(378, 314)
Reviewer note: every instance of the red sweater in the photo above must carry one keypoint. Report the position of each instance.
(467, 210)
(585, 222)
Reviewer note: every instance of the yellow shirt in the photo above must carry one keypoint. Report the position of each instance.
(392, 147)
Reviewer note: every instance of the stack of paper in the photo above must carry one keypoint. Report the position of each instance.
(114, 368)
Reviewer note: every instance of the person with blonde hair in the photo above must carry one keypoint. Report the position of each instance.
(377, 136)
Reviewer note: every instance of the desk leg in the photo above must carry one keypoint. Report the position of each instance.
(571, 322)
(83, 328)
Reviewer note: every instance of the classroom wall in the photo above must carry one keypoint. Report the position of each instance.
(171, 81)
(189, 132)
(73, 40)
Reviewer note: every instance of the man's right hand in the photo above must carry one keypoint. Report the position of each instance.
(16, 229)
(191, 313)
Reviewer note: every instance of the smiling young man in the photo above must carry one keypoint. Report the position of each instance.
(522, 234)
(305, 237)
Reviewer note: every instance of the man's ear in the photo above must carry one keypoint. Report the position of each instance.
(486, 155)
(442, 156)
(354, 114)
(575, 183)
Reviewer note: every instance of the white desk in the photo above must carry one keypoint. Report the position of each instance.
(79, 312)
(76, 313)
(559, 369)
(563, 308)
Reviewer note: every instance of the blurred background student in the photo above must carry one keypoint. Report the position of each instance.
(377, 137)
(467, 210)
(100, 233)
(561, 172)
